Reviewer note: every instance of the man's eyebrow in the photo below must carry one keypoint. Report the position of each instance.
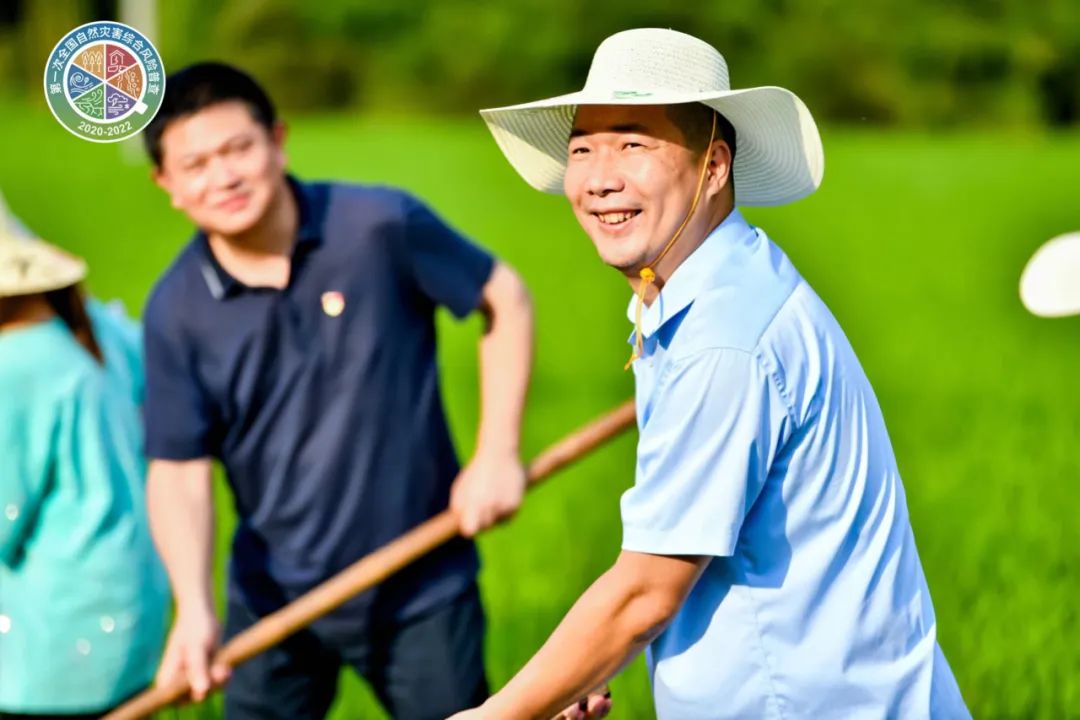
(621, 128)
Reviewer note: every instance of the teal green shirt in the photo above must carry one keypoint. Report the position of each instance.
(83, 597)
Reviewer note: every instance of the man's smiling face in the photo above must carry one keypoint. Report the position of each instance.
(222, 167)
(630, 178)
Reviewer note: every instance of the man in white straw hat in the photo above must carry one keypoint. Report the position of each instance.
(768, 564)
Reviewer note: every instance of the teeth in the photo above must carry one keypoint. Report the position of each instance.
(615, 218)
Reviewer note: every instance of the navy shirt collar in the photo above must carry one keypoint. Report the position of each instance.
(312, 209)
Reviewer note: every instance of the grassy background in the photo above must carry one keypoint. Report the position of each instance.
(915, 241)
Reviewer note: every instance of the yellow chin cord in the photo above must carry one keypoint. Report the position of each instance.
(648, 275)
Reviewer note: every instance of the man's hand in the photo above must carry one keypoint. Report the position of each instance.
(488, 490)
(180, 502)
(597, 705)
(491, 487)
(188, 653)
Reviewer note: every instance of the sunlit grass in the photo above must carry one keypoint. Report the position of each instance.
(915, 241)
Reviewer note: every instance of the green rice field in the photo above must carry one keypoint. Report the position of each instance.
(916, 242)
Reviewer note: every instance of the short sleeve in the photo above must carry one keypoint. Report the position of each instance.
(447, 268)
(704, 453)
(177, 412)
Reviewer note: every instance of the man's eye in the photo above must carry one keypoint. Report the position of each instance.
(632, 145)
(579, 150)
(237, 148)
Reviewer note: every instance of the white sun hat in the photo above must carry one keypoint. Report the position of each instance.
(1050, 284)
(778, 156)
(29, 265)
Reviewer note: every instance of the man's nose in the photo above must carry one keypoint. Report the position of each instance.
(222, 174)
(604, 176)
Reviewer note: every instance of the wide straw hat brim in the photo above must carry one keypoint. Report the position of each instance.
(28, 265)
(1050, 283)
(778, 159)
(778, 153)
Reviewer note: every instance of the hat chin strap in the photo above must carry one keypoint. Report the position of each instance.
(648, 275)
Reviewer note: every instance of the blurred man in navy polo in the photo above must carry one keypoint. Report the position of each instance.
(293, 339)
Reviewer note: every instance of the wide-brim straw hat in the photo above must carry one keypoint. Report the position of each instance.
(778, 157)
(29, 265)
(1050, 283)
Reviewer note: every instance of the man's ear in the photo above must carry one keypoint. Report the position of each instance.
(278, 133)
(719, 174)
(164, 181)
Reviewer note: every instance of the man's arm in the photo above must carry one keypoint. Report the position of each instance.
(620, 614)
(180, 502)
(491, 487)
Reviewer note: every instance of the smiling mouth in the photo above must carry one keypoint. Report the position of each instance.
(616, 218)
(234, 203)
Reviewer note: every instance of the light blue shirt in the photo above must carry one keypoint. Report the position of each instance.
(762, 445)
(83, 597)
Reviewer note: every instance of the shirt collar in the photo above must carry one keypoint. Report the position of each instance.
(312, 208)
(309, 232)
(693, 275)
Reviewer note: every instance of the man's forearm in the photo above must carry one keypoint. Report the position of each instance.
(505, 361)
(181, 508)
(607, 627)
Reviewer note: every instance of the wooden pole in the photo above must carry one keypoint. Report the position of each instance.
(372, 569)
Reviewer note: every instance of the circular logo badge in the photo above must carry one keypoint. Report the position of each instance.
(104, 81)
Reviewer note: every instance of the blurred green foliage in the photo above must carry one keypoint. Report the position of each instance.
(916, 241)
(912, 63)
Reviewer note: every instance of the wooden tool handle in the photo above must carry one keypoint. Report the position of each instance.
(372, 569)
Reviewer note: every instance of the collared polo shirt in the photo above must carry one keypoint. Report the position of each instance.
(321, 400)
(762, 446)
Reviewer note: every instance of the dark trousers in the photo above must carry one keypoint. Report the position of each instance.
(429, 667)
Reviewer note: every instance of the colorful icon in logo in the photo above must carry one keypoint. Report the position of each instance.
(104, 81)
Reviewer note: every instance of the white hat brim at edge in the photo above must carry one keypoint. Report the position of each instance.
(1050, 283)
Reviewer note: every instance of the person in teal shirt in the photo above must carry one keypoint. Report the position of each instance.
(83, 596)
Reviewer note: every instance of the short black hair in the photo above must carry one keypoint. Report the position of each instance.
(199, 86)
(694, 120)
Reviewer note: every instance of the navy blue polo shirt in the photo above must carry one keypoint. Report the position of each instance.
(321, 399)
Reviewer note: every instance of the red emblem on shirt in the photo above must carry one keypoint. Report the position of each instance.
(333, 303)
